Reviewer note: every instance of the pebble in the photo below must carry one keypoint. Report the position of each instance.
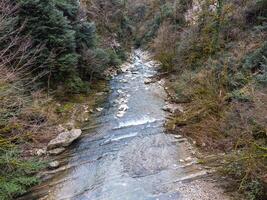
(56, 151)
(188, 159)
(54, 164)
(40, 152)
(99, 109)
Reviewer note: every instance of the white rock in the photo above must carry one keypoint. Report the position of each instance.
(188, 159)
(54, 164)
(99, 109)
(40, 152)
(64, 139)
(123, 107)
(178, 136)
(99, 93)
(148, 81)
(173, 108)
(120, 114)
(56, 151)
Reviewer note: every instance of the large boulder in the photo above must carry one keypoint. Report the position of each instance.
(64, 139)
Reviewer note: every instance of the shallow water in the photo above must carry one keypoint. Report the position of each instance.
(127, 156)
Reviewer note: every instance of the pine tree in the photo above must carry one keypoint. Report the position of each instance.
(47, 25)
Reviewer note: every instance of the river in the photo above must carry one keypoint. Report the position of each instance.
(127, 155)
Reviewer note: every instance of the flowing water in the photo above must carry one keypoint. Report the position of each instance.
(126, 154)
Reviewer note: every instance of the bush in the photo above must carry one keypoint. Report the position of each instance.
(17, 174)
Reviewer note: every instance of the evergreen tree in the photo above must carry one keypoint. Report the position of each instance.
(47, 25)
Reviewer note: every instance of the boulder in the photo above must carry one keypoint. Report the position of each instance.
(64, 139)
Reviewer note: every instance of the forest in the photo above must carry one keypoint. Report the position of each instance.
(55, 55)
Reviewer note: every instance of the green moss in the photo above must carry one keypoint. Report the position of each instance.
(67, 107)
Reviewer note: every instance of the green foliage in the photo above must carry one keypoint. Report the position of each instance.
(114, 58)
(256, 63)
(240, 96)
(48, 26)
(85, 35)
(76, 85)
(69, 45)
(255, 190)
(16, 173)
(256, 12)
(166, 10)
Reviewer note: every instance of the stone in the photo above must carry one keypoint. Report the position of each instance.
(100, 94)
(53, 165)
(123, 107)
(188, 159)
(56, 151)
(99, 109)
(40, 152)
(148, 81)
(178, 136)
(173, 108)
(64, 139)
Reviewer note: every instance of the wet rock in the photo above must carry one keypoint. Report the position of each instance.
(120, 91)
(120, 114)
(123, 107)
(124, 81)
(173, 108)
(99, 109)
(56, 151)
(64, 139)
(178, 136)
(147, 81)
(53, 165)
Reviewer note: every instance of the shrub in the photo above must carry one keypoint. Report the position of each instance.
(17, 174)
(256, 63)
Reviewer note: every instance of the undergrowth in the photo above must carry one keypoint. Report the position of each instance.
(219, 60)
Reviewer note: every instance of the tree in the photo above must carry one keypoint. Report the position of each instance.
(47, 25)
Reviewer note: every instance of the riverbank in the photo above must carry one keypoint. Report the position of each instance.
(38, 124)
(211, 124)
